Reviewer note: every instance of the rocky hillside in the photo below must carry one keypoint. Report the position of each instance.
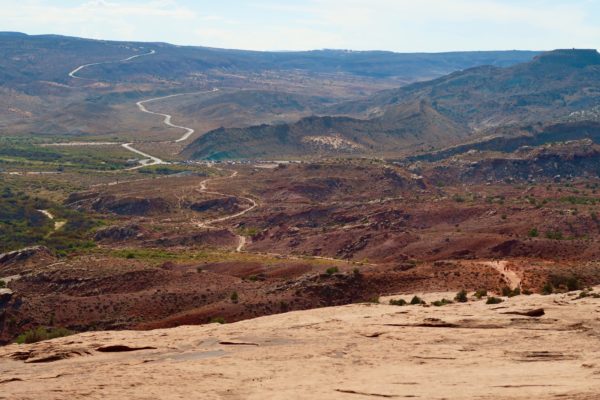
(554, 87)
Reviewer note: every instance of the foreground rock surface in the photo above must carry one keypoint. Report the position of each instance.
(468, 350)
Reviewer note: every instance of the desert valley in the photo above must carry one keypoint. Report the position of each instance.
(383, 220)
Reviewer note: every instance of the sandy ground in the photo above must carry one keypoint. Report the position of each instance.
(459, 351)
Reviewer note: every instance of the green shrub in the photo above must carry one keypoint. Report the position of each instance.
(481, 293)
(234, 297)
(565, 282)
(547, 289)
(399, 302)
(332, 270)
(508, 292)
(493, 300)
(217, 320)
(533, 233)
(583, 295)
(461, 296)
(416, 300)
(2, 284)
(442, 302)
(40, 333)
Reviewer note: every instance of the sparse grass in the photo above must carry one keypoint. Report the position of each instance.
(41, 333)
(248, 231)
(157, 256)
(554, 235)
(217, 320)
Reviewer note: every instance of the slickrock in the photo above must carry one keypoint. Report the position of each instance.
(458, 351)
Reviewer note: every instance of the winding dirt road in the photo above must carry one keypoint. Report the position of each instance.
(209, 224)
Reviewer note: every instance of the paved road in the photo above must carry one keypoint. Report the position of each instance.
(73, 73)
(167, 118)
(151, 160)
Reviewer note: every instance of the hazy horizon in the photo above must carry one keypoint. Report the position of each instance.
(430, 26)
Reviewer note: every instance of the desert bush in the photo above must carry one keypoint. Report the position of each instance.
(461, 296)
(234, 297)
(2, 284)
(481, 293)
(493, 300)
(417, 300)
(398, 302)
(565, 282)
(442, 302)
(547, 289)
(332, 270)
(508, 292)
(284, 306)
(533, 232)
(217, 320)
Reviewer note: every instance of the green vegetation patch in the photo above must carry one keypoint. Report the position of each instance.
(22, 224)
(41, 333)
(29, 154)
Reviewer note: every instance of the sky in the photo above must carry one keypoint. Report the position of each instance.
(395, 25)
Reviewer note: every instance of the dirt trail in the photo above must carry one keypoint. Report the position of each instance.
(50, 216)
(209, 224)
(511, 276)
